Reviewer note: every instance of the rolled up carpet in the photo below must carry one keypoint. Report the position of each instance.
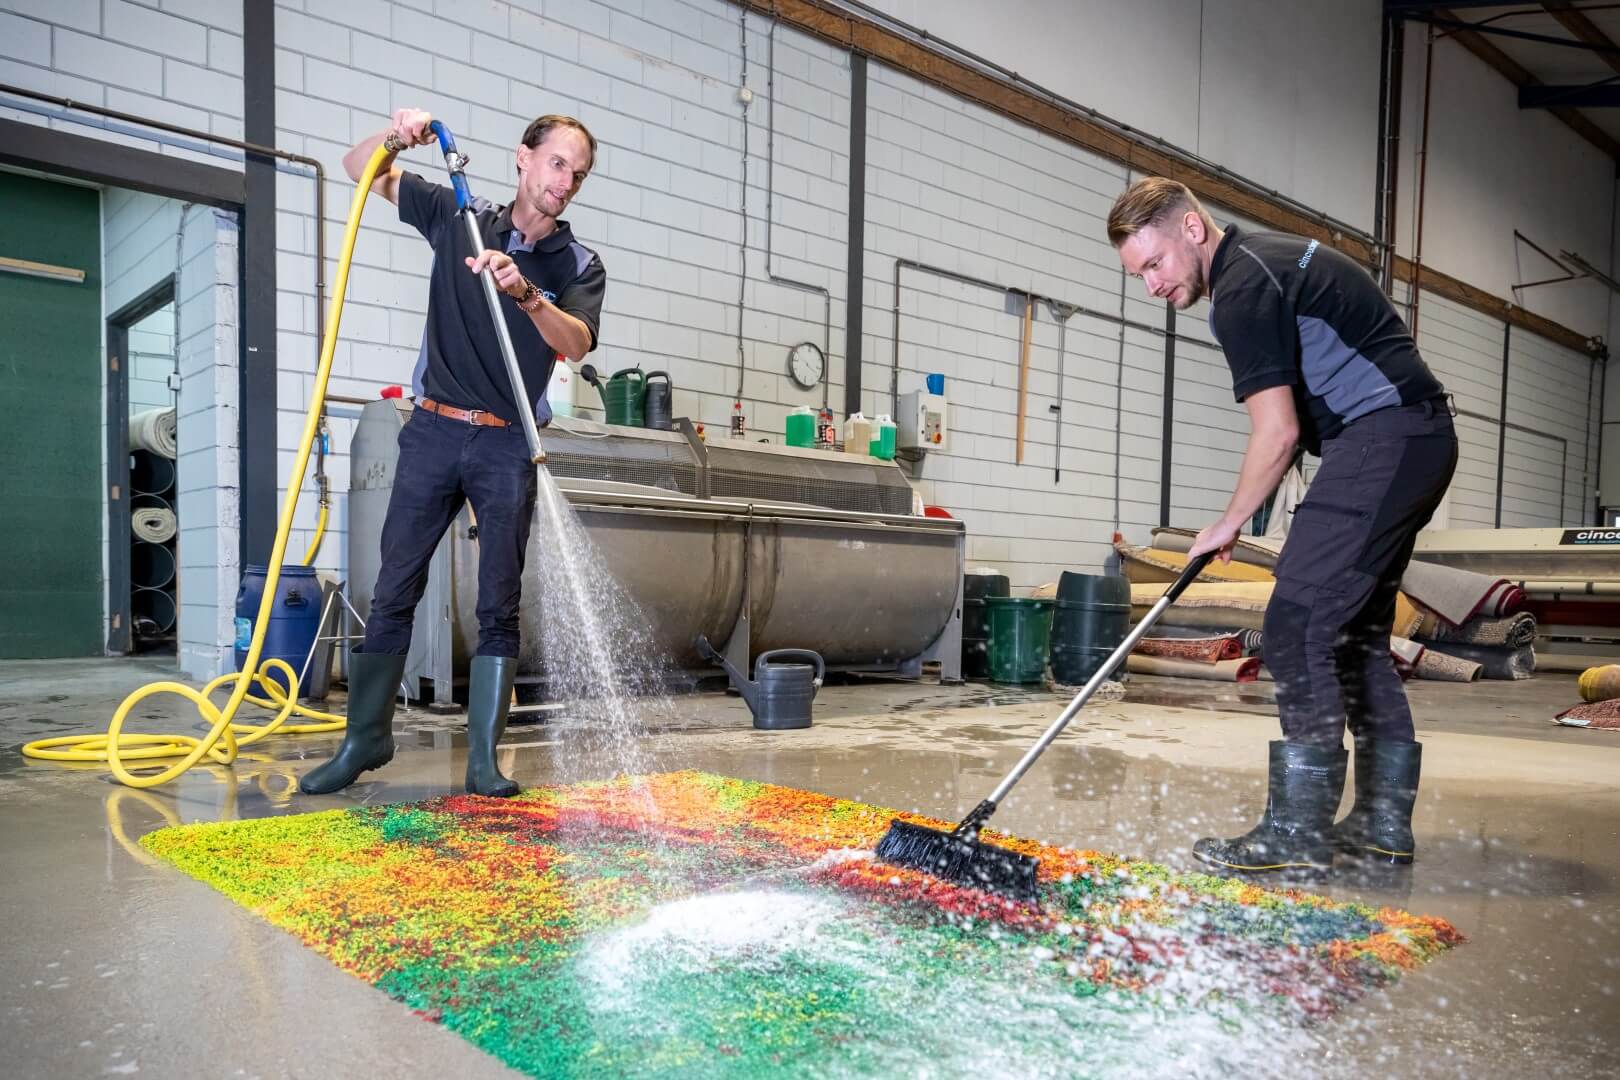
(1495, 661)
(1512, 631)
(1252, 642)
(1459, 595)
(1146, 566)
(1244, 670)
(153, 430)
(1255, 550)
(153, 524)
(1207, 650)
(1443, 668)
(1600, 683)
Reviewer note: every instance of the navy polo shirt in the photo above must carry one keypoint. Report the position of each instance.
(460, 363)
(1289, 311)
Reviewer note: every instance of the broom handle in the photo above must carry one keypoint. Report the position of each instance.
(1194, 567)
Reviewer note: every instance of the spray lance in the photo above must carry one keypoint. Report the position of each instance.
(456, 162)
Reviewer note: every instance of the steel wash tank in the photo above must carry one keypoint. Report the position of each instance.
(754, 546)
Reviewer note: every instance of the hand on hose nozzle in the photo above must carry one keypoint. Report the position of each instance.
(412, 127)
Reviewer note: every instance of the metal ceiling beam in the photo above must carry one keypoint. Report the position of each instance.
(1443, 19)
(1605, 95)
(1576, 22)
(1517, 74)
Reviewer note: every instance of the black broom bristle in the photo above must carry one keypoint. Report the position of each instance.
(956, 858)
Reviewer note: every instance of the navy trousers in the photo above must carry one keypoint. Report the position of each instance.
(1328, 624)
(444, 464)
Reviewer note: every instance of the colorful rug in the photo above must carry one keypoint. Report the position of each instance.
(690, 924)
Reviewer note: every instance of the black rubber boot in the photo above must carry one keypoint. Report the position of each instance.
(368, 741)
(1296, 831)
(489, 695)
(1379, 826)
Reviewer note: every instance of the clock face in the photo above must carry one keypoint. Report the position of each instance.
(806, 364)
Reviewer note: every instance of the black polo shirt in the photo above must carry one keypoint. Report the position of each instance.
(460, 363)
(1294, 312)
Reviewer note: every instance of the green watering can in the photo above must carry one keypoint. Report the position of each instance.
(624, 395)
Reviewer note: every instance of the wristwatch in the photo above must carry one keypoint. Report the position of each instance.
(530, 300)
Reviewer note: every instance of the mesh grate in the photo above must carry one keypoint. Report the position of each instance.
(660, 464)
(836, 482)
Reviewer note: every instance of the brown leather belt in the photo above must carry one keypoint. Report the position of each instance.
(466, 416)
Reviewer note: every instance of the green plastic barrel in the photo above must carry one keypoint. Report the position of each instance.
(1020, 628)
(883, 439)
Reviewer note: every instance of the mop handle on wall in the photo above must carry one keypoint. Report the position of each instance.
(456, 162)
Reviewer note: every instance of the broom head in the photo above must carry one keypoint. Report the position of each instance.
(959, 857)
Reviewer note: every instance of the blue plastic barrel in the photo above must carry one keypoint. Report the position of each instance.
(295, 618)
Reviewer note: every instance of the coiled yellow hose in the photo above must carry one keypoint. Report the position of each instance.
(224, 735)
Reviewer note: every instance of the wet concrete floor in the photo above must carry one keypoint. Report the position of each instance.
(115, 965)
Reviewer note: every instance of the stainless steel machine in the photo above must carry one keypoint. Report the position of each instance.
(756, 545)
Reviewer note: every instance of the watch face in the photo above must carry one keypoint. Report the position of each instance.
(806, 364)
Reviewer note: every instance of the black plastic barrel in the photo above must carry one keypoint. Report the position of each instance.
(1093, 616)
(976, 621)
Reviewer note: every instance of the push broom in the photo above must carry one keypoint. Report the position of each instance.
(959, 855)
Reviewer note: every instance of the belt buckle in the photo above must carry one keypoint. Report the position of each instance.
(473, 415)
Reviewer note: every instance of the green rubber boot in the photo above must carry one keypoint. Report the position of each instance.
(489, 695)
(1379, 826)
(1296, 832)
(368, 741)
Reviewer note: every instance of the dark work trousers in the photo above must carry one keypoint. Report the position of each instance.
(443, 464)
(1328, 624)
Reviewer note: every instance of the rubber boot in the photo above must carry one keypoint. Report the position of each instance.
(1379, 826)
(1296, 832)
(368, 741)
(489, 695)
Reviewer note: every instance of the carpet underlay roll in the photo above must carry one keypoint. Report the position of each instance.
(1495, 662)
(1459, 595)
(1604, 715)
(153, 430)
(152, 524)
(1442, 668)
(1258, 551)
(1244, 670)
(1512, 631)
(1206, 650)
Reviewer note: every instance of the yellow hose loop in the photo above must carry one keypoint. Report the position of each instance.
(315, 541)
(220, 744)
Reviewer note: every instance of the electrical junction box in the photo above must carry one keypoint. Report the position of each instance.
(921, 424)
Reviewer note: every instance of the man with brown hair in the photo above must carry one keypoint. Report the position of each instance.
(464, 441)
(1321, 360)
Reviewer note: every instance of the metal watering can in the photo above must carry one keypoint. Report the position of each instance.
(780, 695)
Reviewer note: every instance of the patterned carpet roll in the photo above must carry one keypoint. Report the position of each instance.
(1495, 662)
(1203, 650)
(1513, 631)
(1443, 668)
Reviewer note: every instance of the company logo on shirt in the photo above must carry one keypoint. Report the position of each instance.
(1310, 249)
(551, 297)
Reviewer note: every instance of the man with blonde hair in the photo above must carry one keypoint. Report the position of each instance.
(1321, 361)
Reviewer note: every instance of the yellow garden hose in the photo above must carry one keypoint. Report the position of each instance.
(224, 735)
(315, 541)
